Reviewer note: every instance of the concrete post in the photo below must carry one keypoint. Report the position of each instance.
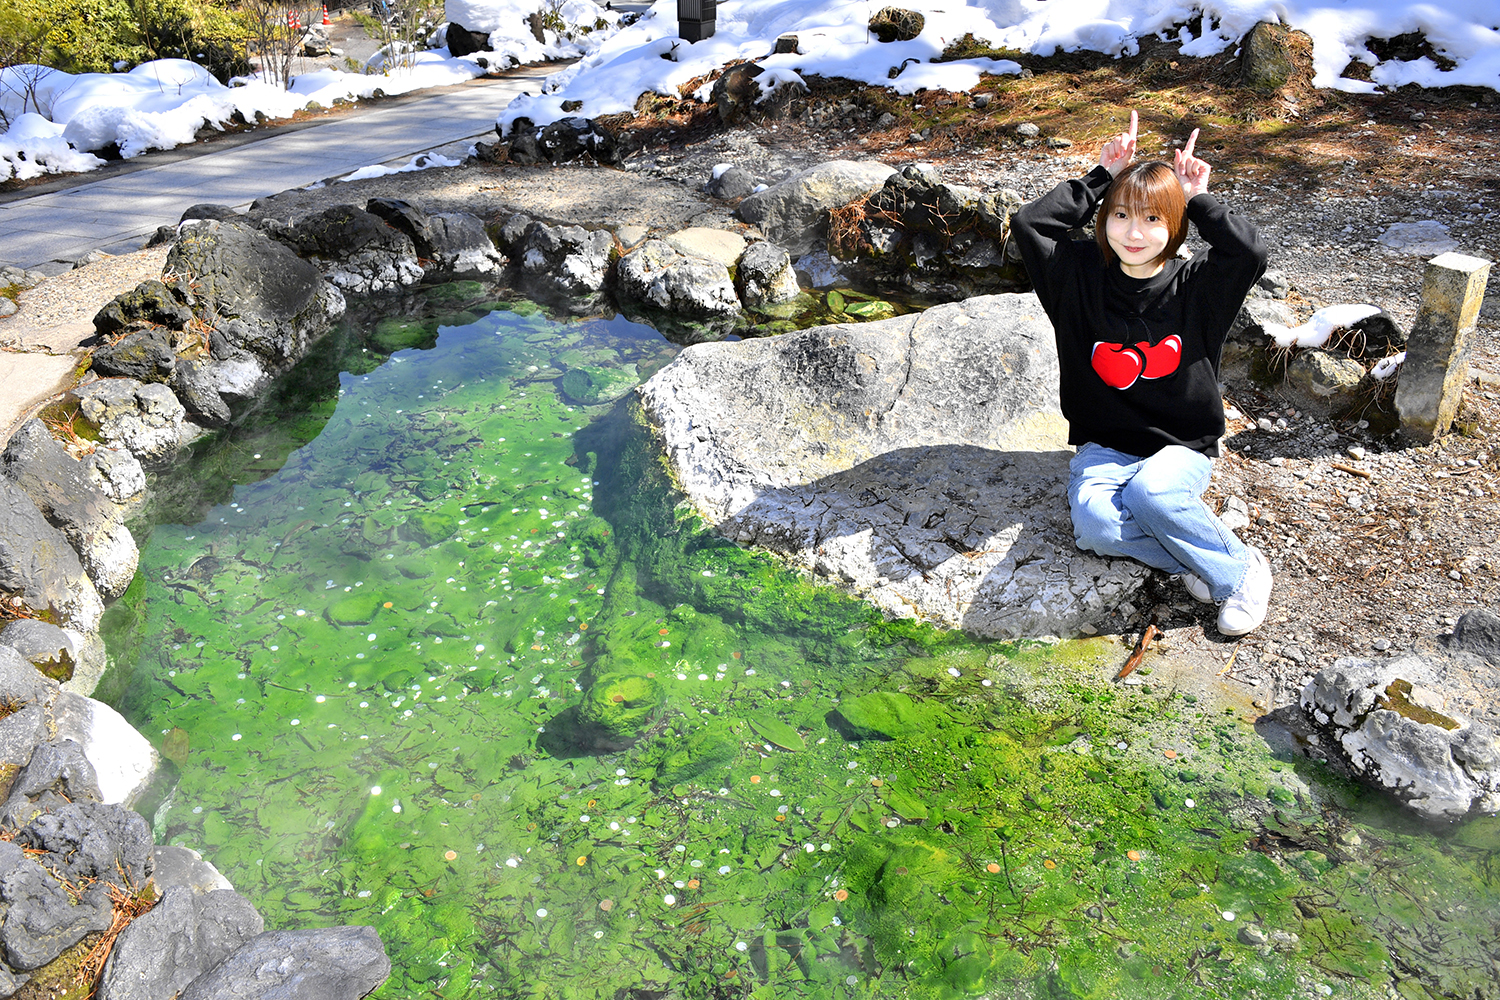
(1437, 351)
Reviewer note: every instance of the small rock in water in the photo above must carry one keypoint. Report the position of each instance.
(1252, 935)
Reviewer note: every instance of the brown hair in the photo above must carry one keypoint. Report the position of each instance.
(1145, 187)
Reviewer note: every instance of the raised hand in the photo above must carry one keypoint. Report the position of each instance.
(1119, 151)
(1192, 173)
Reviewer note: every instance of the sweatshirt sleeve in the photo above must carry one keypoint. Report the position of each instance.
(1040, 229)
(1235, 260)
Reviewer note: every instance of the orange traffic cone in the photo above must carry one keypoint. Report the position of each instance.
(326, 19)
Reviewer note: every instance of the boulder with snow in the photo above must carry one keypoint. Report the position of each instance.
(563, 141)
(794, 212)
(919, 460)
(729, 182)
(1388, 723)
(897, 24)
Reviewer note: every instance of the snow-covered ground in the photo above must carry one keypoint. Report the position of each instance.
(59, 119)
(833, 40)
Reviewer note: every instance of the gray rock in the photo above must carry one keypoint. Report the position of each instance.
(408, 218)
(207, 210)
(8, 306)
(896, 24)
(20, 732)
(562, 141)
(123, 760)
(42, 920)
(60, 487)
(150, 303)
(185, 867)
(116, 472)
(54, 651)
(37, 563)
(1274, 284)
(919, 459)
(92, 840)
(731, 185)
(1270, 56)
(513, 234)
(764, 276)
(145, 418)
(356, 250)
(182, 937)
(1380, 335)
(196, 388)
(1477, 632)
(1259, 309)
(10, 982)
(461, 41)
(704, 241)
(1422, 238)
(657, 277)
(1392, 729)
(1028, 130)
(258, 294)
(58, 766)
(794, 213)
(565, 265)
(19, 680)
(1323, 375)
(145, 355)
(1252, 935)
(736, 91)
(336, 963)
(460, 247)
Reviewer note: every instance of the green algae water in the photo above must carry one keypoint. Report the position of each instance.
(432, 648)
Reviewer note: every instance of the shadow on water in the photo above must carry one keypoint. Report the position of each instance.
(463, 670)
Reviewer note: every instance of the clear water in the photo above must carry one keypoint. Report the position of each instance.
(365, 632)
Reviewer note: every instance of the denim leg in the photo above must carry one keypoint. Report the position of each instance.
(1151, 510)
(1166, 498)
(1097, 480)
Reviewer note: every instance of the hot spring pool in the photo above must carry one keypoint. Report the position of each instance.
(369, 658)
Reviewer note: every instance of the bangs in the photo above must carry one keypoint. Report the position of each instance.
(1146, 189)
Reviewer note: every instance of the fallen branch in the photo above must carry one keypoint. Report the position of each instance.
(1140, 651)
(1351, 470)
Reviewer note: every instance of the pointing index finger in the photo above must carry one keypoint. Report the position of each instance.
(1132, 125)
(1192, 140)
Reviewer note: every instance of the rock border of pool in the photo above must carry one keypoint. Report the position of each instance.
(237, 307)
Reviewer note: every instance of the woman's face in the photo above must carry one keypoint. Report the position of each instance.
(1138, 239)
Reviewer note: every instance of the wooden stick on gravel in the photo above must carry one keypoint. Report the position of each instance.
(1350, 469)
(1140, 651)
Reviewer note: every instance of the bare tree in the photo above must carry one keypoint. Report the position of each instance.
(274, 38)
(404, 28)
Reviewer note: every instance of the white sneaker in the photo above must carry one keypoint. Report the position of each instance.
(1246, 607)
(1197, 588)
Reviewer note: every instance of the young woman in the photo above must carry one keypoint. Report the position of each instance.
(1139, 335)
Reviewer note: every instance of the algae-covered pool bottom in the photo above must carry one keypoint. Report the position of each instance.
(374, 671)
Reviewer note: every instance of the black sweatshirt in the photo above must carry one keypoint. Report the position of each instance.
(1139, 357)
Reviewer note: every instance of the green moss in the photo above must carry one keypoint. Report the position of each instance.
(400, 333)
(592, 385)
(359, 609)
(1397, 698)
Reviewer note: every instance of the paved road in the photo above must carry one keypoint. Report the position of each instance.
(117, 212)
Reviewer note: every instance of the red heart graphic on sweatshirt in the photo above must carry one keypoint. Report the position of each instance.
(1161, 358)
(1118, 365)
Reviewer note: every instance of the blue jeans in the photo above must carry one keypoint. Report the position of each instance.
(1152, 510)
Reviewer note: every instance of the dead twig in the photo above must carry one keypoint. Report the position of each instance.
(1351, 470)
(1140, 651)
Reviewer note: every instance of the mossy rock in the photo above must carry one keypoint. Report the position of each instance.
(397, 333)
(888, 715)
(455, 293)
(618, 708)
(596, 539)
(590, 386)
(356, 609)
(413, 567)
(428, 529)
